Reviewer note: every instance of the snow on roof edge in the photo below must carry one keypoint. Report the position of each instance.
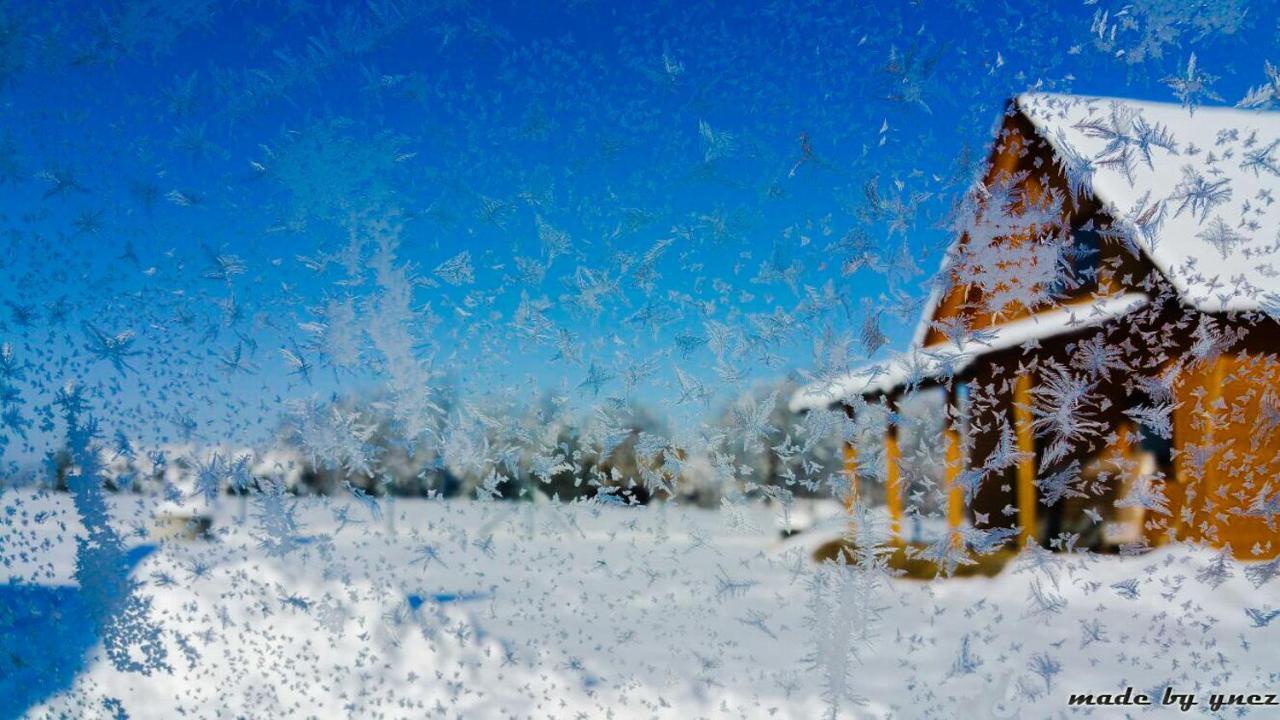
(919, 364)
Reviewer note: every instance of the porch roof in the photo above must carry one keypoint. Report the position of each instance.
(938, 363)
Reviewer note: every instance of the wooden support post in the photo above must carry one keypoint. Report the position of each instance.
(893, 481)
(1027, 460)
(1198, 391)
(1183, 428)
(1212, 396)
(954, 463)
(1207, 523)
(851, 474)
(1128, 520)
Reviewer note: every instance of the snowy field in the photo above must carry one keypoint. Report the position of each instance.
(462, 609)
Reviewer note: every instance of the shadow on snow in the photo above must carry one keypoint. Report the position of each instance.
(46, 633)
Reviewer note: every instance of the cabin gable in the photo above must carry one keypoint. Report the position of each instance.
(1028, 242)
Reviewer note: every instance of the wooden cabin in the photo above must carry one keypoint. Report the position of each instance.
(1103, 334)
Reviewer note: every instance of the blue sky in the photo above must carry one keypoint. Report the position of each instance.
(743, 156)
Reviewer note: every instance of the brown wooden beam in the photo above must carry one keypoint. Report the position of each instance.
(954, 464)
(1026, 460)
(851, 474)
(893, 478)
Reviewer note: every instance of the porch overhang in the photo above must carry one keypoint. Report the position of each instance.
(940, 363)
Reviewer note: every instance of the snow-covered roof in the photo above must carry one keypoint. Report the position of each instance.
(1196, 189)
(940, 362)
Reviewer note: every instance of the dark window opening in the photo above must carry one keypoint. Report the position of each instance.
(1081, 260)
(1161, 447)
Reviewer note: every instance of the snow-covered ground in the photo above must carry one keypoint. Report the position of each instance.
(464, 609)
